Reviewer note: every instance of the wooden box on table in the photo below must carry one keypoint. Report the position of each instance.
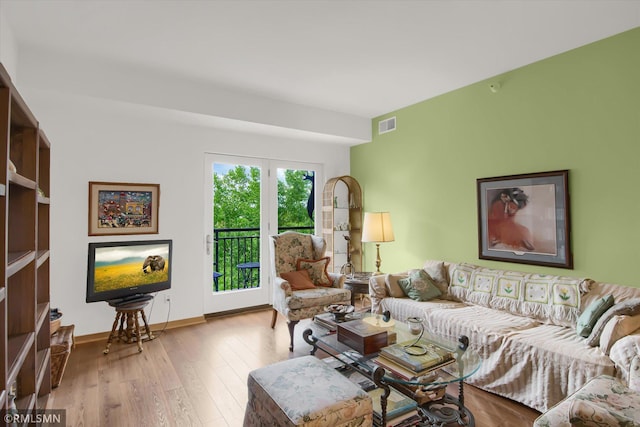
(364, 337)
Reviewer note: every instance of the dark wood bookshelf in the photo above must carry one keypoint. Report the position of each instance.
(24, 254)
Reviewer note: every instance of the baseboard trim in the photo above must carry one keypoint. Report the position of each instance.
(103, 336)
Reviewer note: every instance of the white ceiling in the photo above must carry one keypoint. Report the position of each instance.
(364, 58)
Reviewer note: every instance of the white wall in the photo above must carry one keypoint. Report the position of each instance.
(97, 140)
(8, 50)
(107, 122)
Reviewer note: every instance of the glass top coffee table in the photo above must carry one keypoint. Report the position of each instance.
(435, 406)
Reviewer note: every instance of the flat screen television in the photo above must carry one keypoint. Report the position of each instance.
(128, 271)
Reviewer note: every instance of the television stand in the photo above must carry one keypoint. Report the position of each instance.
(130, 300)
(127, 311)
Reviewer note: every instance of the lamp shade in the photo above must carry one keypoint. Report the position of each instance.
(377, 227)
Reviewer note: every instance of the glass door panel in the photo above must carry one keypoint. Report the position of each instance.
(246, 200)
(234, 242)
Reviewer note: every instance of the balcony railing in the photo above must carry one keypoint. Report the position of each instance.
(236, 263)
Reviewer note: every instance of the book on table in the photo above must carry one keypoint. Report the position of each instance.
(397, 403)
(409, 419)
(434, 355)
(405, 373)
(401, 409)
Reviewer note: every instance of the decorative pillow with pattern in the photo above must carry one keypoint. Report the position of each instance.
(317, 269)
(461, 280)
(508, 292)
(419, 286)
(552, 299)
(483, 282)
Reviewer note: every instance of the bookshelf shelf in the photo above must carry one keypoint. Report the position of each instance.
(24, 254)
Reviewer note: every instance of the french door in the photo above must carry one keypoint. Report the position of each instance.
(246, 200)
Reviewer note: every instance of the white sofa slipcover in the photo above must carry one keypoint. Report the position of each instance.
(522, 324)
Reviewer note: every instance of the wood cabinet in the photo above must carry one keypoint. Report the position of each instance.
(342, 217)
(25, 368)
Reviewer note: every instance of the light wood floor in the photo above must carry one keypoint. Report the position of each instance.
(196, 375)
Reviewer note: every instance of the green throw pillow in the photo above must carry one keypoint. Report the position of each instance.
(419, 286)
(590, 316)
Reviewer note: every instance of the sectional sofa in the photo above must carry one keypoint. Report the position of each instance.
(525, 326)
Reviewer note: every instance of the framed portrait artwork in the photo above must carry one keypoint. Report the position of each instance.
(525, 219)
(123, 208)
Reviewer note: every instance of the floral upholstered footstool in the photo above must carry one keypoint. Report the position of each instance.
(304, 391)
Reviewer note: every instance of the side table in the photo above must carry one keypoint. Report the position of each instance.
(358, 284)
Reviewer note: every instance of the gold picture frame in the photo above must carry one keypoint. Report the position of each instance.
(117, 208)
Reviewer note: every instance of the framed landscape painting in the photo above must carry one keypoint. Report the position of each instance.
(525, 219)
(123, 208)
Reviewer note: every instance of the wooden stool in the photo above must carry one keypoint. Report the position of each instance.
(129, 313)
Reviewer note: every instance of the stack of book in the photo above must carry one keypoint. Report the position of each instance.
(397, 359)
(402, 411)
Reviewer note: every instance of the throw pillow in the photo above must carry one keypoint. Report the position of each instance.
(419, 286)
(298, 280)
(317, 270)
(590, 316)
(629, 307)
(616, 328)
(391, 280)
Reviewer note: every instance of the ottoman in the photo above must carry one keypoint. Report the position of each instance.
(305, 392)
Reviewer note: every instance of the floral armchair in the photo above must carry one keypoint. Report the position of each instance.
(302, 287)
(604, 400)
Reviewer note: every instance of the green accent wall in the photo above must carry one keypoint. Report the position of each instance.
(579, 110)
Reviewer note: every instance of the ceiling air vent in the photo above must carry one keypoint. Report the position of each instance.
(386, 125)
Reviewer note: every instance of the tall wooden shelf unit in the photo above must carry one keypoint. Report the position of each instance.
(25, 368)
(342, 216)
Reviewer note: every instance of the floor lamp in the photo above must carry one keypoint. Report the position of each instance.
(377, 229)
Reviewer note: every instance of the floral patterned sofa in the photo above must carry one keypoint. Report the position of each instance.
(603, 401)
(524, 325)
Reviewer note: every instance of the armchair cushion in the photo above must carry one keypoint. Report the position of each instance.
(317, 269)
(298, 280)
